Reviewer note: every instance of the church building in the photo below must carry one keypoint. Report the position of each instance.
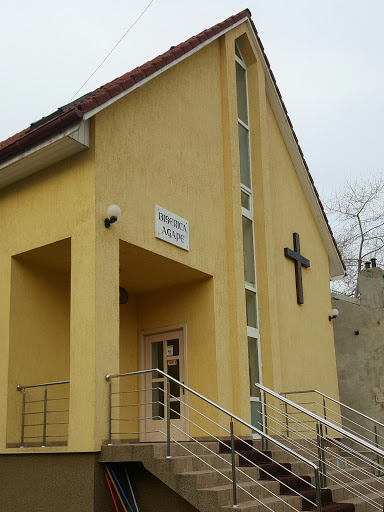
(165, 220)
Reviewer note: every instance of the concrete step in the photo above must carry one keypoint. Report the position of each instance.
(361, 505)
(210, 478)
(281, 504)
(366, 486)
(184, 448)
(222, 495)
(334, 476)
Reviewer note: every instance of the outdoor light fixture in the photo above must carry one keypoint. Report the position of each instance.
(123, 295)
(113, 213)
(334, 314)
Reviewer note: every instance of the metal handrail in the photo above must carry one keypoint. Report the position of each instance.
(44, 412)
(332, 400)
(331, 440)
(324, 421)
(326, 449)
(232, 417)
(20, 387)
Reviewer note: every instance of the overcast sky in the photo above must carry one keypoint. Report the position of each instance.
(327, 57)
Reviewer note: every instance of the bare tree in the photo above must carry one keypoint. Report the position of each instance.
(356, 212)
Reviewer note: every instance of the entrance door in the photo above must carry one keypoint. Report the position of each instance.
(165, 351)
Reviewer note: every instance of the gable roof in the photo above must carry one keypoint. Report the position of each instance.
(85, 106)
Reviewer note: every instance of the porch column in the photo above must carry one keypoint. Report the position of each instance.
(94, 348)
(5, 293)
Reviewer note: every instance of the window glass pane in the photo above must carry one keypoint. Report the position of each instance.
(158, 400)
(250, 298)
(237, 52)
(253, 360)
(255, 415)
(245, 201)
(245, 166)
(249, 254)
(242, 106)
(175, 410)
(157, 358)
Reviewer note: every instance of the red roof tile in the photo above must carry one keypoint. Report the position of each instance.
(74, 112)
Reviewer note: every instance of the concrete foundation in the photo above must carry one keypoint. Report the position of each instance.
(59, 482)
(76, 482)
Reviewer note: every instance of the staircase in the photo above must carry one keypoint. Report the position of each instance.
(281, 472)
(202, 474)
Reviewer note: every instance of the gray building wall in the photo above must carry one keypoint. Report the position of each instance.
(359, 343)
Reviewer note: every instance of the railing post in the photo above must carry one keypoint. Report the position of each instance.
(318, 490)
(377, 445)
(286, 418)
(265, 420)
(23, 419)
(233, 465)
(45, 417)
(110, 412)
(168, 419)
(320, 451)
(325, 414)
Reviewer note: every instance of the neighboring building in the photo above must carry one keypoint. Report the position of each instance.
(212, 288)
(359, 343)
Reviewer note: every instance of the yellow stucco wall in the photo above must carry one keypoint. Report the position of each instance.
(165, 142)
(173, 142)
(305, 341)
(39, 342)
(53, 205)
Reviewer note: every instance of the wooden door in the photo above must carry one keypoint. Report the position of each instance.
(165, 351)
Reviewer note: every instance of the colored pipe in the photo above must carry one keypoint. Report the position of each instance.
(116, 489)
(121, 489)
(130, 486)
(110, 489)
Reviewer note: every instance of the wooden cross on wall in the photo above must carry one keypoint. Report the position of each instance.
(299, 262)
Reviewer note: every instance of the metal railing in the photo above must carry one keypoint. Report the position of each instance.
(343, 415)
(357, 471)
(35, 404)
(166, 406)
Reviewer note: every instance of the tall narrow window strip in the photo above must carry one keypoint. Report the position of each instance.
(249, 253)
(248, 237)
(245, 163)
(241, 83)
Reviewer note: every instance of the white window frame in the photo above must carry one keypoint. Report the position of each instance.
(252, 332)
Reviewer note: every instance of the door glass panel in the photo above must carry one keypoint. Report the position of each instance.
(250, 299)
(242, 108)
(256, 414)
(253, 360)
(249, 254)
(172, 348)
(245, 165)
(174, 371)
(175, 410)
(157, 358)
(158, 400)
